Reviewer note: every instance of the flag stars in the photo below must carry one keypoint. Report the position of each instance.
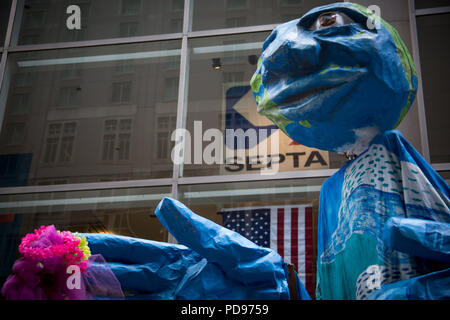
(252, 225)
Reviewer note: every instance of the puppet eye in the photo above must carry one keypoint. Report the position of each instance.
(330, 19)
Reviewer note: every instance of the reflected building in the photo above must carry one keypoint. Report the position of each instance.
(92, 121)
(87, 115)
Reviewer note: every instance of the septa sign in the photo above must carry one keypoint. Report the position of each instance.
(268, 146)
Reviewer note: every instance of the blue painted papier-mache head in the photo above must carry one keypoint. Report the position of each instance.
(335, 79)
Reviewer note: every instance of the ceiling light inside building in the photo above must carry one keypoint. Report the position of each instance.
(216, 63)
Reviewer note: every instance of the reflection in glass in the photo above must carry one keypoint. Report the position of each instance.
(262, 210)
(90, 114)
(5, 6)
(220, 99)
(216, 14)
(45, 21)
(435, 67)
(128, 212)
(424, 4)
(445, 175)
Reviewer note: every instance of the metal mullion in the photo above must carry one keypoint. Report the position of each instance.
(419, 95)
(319, 173)
(87, 186)
(12, 14)
(441, 166)
(4, 55)
(181, 110)
(231, 31)
(182, 89)
(6, 48)
(96, 43)
(435, 10)
(182, 96)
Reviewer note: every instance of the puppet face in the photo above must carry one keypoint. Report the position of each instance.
(334, 81)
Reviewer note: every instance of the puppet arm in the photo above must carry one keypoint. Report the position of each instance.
(422, 238)
(211, 262)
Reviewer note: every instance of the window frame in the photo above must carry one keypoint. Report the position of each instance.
(9, 46)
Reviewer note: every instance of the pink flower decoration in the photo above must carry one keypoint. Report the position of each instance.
(47, 243)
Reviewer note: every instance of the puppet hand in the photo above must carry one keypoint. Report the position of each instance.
(211, 262)
(422, 238)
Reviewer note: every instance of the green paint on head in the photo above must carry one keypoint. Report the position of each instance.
(403, 53)
(271, 110)
(259, 62)
(255, 82)
(305, 123)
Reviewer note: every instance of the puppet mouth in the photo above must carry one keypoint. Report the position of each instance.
(298, 97)
(308, 95)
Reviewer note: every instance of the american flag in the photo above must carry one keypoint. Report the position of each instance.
(285, 229)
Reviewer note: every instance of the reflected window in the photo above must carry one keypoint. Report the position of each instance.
(70, 71)
(124, 66)
(59, 143)
(166, 125)
(236, 4)
(15, 133)
(171, 88)
(117, 140)
(290, 2)
(28, 39)
(67, 142)
(34, 19)
(121, 92)
(69, 97)
(177, 5)
(20, 104)
(130, 7)
(73, 35)
(23, 79)
(128, 29)
(84, 9)
(173, 62)
(176, 25)
(236, 22)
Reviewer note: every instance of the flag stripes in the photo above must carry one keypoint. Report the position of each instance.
(285, 229)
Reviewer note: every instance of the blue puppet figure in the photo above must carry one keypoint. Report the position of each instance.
(338, 79)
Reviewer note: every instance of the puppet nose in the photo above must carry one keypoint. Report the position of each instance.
(292, 55)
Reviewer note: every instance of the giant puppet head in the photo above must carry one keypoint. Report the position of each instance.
(335, 78)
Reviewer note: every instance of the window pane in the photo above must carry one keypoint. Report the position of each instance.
(84, 126)
(251, 209)
(220, 100)
(423, 4)
(128, 212)
(15, 133)
(445, 175)
(130, 7)
(5, 6)
(47, 21)
(435, 67)
(216, 14)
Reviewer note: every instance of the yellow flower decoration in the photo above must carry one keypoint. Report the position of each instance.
(83, 246)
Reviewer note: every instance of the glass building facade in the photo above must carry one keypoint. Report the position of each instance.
(88, 112)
